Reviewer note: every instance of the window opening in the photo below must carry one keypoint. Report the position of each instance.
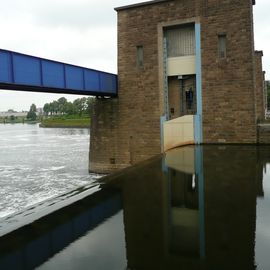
(139, 56)
(222, 44)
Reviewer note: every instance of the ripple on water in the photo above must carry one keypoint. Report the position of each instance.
(38, 164)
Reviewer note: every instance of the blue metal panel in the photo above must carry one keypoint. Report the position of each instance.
(107, 83)
(198, 118)
(26, 70)
(197, 128)
(5, 67)
(53, 74)
(91, 79)
(74, 77)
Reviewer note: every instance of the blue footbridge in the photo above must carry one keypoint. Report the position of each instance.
(29, 73)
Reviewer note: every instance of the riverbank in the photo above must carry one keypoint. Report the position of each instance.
(65, 123)
(71, 121)
(17, 120)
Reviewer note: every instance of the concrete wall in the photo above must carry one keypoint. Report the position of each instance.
(228, 85)
(183, 65)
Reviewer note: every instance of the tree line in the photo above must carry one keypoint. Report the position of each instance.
(62, 106)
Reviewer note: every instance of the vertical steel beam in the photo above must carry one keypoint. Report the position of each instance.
(12, 67)
(41, 72)
(83, 72)
(65, 76)
(198, 117)
(199, 173)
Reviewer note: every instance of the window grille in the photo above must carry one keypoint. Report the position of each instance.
(181, 41)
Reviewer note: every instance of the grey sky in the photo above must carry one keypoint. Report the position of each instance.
(81, 32)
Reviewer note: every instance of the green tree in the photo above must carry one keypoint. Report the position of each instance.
(80, 105)
(61, 104)
(55, 107)
(51, 108)
(46, 109)
(90, 103)
(69, 108)
(31, 115)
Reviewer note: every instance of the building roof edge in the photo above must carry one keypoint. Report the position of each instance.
(150, 3)
(141, 4)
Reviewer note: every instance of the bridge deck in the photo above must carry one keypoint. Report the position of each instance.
(28, 73)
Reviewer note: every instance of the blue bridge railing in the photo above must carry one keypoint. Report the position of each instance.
(28, 73)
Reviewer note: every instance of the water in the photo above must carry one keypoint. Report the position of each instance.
(84, 251)
(37, 164)
(204, 207)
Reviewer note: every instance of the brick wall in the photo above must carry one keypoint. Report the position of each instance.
(103, 136)
(227, 84)
(264, 133)
(260, 94)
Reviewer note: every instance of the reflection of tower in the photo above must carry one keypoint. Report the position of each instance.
(184, 214)
(186, 225)
(262, 243)
(259, 179)
(184, 190)
(220, 212)
(197, 213)
(260, 169)
(230, 200)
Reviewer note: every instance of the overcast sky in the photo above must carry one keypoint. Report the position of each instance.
(80, 32)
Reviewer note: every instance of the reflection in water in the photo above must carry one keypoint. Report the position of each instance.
(263, 222)
(194, 208)
(86, 250)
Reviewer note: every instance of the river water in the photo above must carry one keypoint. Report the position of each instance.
(40, 163)
(194, 208)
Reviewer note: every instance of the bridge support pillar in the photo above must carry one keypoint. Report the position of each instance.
(103, 136)
(122, 134)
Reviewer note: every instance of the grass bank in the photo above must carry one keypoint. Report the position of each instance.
(66, 122)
